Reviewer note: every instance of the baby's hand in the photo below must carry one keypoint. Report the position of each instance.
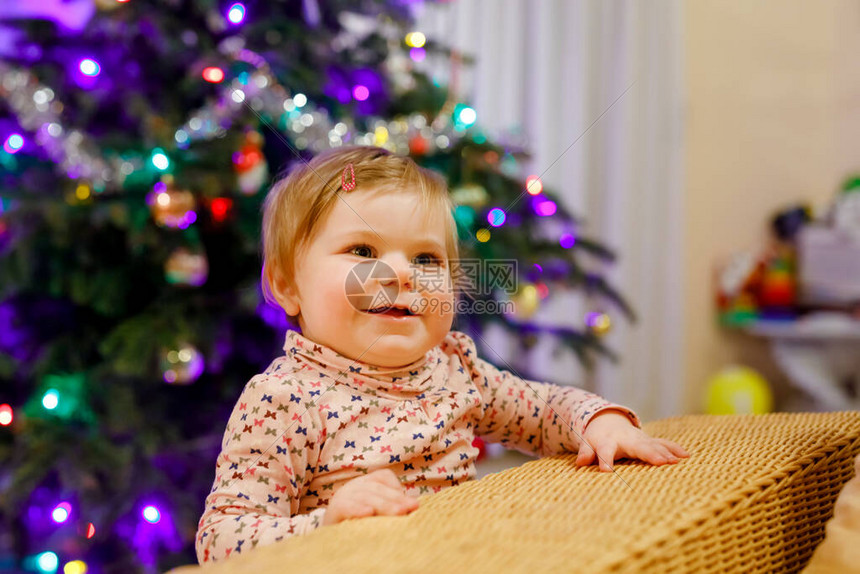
(613, 436)
(376, 493)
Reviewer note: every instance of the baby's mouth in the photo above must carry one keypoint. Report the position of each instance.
(391, 311)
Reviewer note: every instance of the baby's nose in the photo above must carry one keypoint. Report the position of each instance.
(403, 272)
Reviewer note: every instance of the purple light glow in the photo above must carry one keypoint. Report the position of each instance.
(89, 67)
(236, 13)
(417, 54)
(545, 208)
(189, 218)
(567, 240)
(13, 143)
(360, 93)
(61, 512)
(151, 514)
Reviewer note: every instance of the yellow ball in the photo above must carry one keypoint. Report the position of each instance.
(738, 390)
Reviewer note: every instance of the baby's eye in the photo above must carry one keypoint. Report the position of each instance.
(361, 250)
(427, 259)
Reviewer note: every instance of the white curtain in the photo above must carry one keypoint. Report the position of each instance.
(594, 90)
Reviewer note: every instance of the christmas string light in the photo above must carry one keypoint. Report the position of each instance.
(38, 112)
(308, 126)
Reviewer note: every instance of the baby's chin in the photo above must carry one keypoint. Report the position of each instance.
(390, 355)
(393, 360)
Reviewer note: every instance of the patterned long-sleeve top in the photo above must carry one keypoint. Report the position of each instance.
(315, 420)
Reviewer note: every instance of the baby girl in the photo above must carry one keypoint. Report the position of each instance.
(377, 401)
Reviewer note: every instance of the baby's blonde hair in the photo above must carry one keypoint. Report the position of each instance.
(297, 204)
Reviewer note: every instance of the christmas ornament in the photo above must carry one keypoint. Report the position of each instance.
(181, 366)
(470, 194)
(526, 301)
(186, 267)
(738, 390)
(250, 165)
(418, 145)
(171, 206)
(598, 323)
(464, 216)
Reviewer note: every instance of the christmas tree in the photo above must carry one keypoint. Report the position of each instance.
(139, 138)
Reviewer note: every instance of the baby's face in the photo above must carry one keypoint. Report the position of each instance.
(376, 250)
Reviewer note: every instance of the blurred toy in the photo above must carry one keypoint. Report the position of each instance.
(763, 284)
(845, 214)
(738, 284)
(250, 165)
(787, 224)
(778, 290)
(738, 390)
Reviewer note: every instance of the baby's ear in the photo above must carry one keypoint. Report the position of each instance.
(285, 295)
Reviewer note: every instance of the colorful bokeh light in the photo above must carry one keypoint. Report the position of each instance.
(47, 562)
(236, 13)
(6, 415)
(51, 399)
(213, 74)
(13, 143)
(160, 160)
(465, 116)
(360, 93)
(89, 67)
(151, 514)
(496, 217)
(534, 185)
(567, 240)
(545, 208)
(61, 512)
(415, 39)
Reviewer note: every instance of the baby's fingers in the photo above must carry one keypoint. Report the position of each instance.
(606, 456)
(654, 452)
(386, 503)
(585, 456)
(674, 448)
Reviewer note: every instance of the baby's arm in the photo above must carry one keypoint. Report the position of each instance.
(531, 416)
(269, 451)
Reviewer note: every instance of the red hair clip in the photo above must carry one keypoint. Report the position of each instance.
(348, 185)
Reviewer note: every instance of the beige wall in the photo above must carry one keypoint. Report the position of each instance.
(773, 118)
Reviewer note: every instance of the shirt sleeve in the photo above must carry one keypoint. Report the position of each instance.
(530, 416)
(267, 459)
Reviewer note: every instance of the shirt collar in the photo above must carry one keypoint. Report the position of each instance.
(397, 381)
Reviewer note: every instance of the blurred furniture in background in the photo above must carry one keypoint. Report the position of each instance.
(820, 354)
(753, 497)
